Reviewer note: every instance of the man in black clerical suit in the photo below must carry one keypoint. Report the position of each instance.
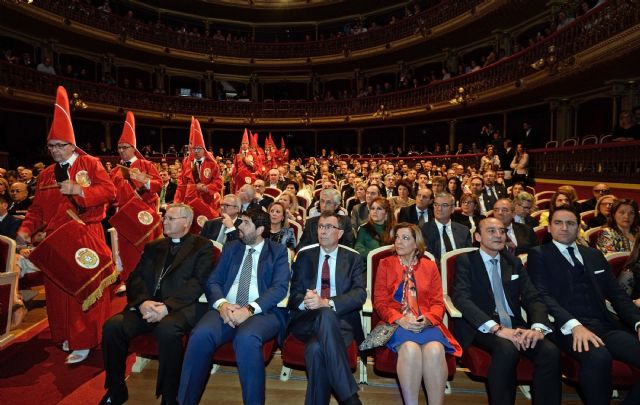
(327, 293)
(574, 282)
(490, 288)
(225, 228)
(443, 235)
(421, 211)
(162, 297)
(520, 237)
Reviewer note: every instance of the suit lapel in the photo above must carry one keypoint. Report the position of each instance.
(482, 275)
(315, 262)
(506, 271)
(565, 273)
(161, 257)
(261, 261)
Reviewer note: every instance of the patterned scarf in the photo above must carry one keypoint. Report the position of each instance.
(409, 291)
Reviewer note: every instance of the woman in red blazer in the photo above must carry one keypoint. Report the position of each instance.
(408, 292)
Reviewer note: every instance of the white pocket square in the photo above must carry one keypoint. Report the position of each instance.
(598, 271)
(515, 276)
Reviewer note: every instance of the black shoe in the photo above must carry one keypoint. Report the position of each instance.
(115, 398)
(167, 400)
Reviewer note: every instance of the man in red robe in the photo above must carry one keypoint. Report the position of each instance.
(144, 183)
(244, 165)
(200, 177)
(76, 182)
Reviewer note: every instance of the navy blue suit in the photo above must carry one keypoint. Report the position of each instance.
(211, 229)
(248, 337)
(556, 279)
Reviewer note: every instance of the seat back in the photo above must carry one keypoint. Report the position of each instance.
(303, 201)
(272, 191)
(617, 260)
(544, 194)
(541, 233)
(551, 144)
(590, 140)
(543, 204)
(8, 282)
(587, 216)
(591, 235)
(297, 230)
(7, 254)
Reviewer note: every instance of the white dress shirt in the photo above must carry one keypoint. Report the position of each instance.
(254, 293)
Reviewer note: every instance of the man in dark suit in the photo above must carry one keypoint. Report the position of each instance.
(520, 237)
(574, 282)
(8, 223)
(21, 202)
(274, 181)
(162, 296)
(225, 228)
(247, 196)
(264, 200)
(327, 293)
(243, 292)
(389, 187)
(443, 235)
(329, 201)
(490, 288)
(599, 190)
(168, 190)
(421, 211)
(492, 191)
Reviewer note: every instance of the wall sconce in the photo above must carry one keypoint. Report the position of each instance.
(551, 62)
(77, 103)
(382, 113)
(461, 97)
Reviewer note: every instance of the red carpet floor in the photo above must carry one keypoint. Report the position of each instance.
(33, 371)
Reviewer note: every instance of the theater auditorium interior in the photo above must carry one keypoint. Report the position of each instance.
(530, 104)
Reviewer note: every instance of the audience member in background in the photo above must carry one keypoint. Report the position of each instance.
(599, 190)
(4, 189)
(564, 196)
(438, 184)
(520, 237)
(493, 191)
(360, 213)
(520, 165)
(329, 201)
(408, 292)
(359, 197)
(281, 232)
(626, 130)
(470, 215)
(602, 210)
(453, 188)
(20, 199)
(26, 176)
(629, 278)
(523, 203)
(376, 231)
(264, 200)
(443, 235)
(490, 161)
(622, 227)
(290, 203)
(403, 199)
(225, 228)
(516, 188)
(421, 211)
(168, 190)
(8, 223)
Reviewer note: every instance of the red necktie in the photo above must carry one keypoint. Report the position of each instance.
(325, 280)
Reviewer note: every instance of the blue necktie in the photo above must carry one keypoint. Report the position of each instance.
(498, 295)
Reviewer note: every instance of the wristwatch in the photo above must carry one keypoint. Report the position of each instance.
(538, 330)
(250, 308)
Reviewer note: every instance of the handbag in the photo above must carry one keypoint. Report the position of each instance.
(379, 336)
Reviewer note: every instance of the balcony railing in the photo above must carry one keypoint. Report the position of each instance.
(148, 32)
(609, 162)
(595, 27)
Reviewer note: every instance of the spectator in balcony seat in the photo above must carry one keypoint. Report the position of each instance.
(627, 130)
(520, 165)
(45, 66)
(490, 161)
(602, 209)
(563, 20)
(622, 227)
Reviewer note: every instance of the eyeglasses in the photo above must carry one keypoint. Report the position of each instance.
(327, 227)
(167, 218)
(443, 206)
(228, 206)
(123, 147)
(59, 146)
(16, 191)
(602, 191)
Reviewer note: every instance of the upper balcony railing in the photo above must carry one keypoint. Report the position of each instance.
(148, 32)
(595, 27)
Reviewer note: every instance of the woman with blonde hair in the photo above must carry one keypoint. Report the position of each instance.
(281, 232)
(290, 203)
(408, 292)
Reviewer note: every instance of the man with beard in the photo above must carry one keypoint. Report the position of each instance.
(243, 292)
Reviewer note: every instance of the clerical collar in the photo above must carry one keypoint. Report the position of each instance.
(133, 159)
(176, 240)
